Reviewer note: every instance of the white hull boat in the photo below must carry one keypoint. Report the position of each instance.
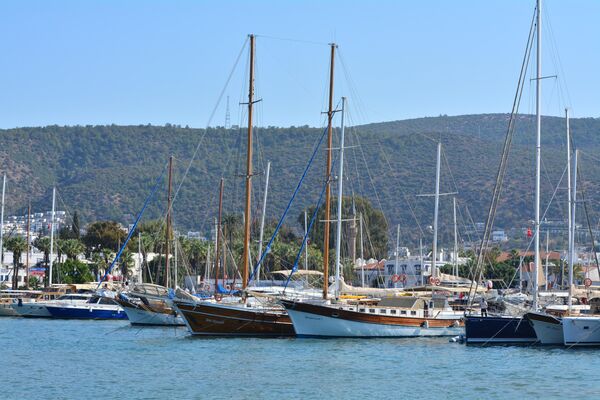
(581, 331)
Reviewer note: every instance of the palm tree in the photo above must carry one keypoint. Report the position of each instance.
(126, 261)
(72, 248)
(43, 245)
(17, 245)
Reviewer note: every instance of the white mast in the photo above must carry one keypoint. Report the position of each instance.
(538, 150)
(207, 266)
(421, 257)
(572, 244)
(175, 275)
(305, 235)
(568, 184)
(397, 258)
(51, 237)
(262, 220)
(338, 239)
(435, 211)
(455, 239)
(141, 275)
(547, 255)
(2, 222)
(362, 255)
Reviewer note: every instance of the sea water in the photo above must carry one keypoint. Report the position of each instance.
(55, 359)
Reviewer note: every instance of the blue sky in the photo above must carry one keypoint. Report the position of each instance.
(138, 62)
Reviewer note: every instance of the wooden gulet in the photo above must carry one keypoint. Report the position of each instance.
(233, 316)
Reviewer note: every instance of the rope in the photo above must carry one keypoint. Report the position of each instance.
(289, 205)
(116, 259)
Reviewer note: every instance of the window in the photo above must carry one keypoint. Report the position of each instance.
(371, 310)
(362, 310)
(393, 311)
(403, 266)
(413, 313)
(418, 267)
(390, 268)
(403, 312)
(383, 311)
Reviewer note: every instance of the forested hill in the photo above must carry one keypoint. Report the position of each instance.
(106, 172)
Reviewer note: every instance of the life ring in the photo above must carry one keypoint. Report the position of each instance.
(587, 282)
(437, 281)
(228, 287)
(431, 280)
(205, 286)
(403, 278)
(584, 300)
(395, 278)
(218, 296)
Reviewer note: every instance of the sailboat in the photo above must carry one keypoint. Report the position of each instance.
(238, 316)
(502, 328)
(401, 316)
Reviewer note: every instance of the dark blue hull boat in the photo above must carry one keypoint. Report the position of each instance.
(498, 330)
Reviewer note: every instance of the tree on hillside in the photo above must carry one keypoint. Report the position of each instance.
(72, 248)
(103, 235)
(17, 245)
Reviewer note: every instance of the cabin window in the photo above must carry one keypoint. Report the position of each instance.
(390, 268)
(371, 310)
(393, 311)
(382, 311)
(362, 310)
(403, 312)
(403, 266)
(413, 313)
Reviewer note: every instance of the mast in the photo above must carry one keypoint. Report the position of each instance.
(362, 255)
(2, 221)
(168, 231)
(28, 242)
(572, 244)
(207, 265)
(51, 237)
(568, 184)
(175, 275)
(421, 256)
(455, 239)
(547, 254)
(397, 258)
(338, 239)
(247, 219)
(218, 237)
(538, 148)
(140, 263)
(262, 220)
(305, 235)
(328, 177)
(435, 211)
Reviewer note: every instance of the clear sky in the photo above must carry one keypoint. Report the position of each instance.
(138, 62)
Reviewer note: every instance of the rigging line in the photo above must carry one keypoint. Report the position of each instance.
(281, 220)
(587, 216)
(187, 170)
(449, 169)
(292, 40)
(116, 259)
(504, 159)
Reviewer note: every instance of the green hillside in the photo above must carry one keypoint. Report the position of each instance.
(105, 172)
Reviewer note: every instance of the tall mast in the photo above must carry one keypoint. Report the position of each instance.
(305, 235)
(247, 219)
(2, 221)
(455, 239)
(218, 236)
(262, 220)
(51, 237)
(568, 184)
(140, 263)
(175, 275)
(28, 245)
(435, 211)
(397, 255)
(538, 149)
(338, 239)
(421, 257)
(207, 265)
(547, 255)
(572, 244)
(216, 240)
(168, 231)
(328, 177)
(362, 255)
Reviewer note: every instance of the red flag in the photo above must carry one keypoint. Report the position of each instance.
(529, 233)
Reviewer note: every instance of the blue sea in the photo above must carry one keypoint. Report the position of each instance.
(53, 359)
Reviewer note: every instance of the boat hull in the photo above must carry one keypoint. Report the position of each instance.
(214, 319)
(548, 329)
(31, 310)
(138, 316)
(581, 331)
(312, 320)
(86, 312)
(6, 310)
(498, 330)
